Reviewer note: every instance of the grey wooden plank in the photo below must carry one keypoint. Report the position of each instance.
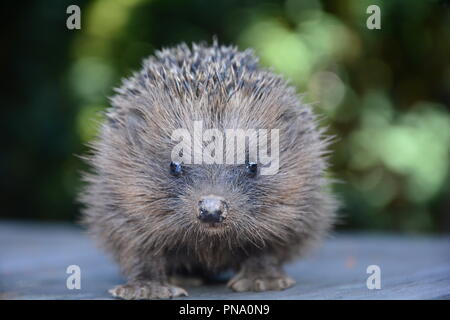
(34, 258)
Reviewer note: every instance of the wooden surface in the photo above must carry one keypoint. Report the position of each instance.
(34, 258)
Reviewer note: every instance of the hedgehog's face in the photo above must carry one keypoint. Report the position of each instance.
(215, 196)
(238, 202)
(234, 203)
(212, 209)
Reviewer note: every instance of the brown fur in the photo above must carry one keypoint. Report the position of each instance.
(146, 217)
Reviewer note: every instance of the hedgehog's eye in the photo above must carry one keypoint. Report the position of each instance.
(175, 168)
(252, 168)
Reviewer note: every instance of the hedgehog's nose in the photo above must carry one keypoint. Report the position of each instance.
(212, 209)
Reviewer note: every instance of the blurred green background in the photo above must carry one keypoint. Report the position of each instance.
(384, 93)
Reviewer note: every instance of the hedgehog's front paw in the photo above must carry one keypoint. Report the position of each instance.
(147, 290)
(260, 282)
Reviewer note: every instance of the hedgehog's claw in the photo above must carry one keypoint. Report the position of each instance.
(260, 282)
(144, 290)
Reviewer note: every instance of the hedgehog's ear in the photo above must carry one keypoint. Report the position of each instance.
(135, 125)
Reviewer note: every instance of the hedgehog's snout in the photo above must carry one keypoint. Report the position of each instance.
(212, 209)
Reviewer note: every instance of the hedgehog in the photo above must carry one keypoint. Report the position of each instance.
(164, 219)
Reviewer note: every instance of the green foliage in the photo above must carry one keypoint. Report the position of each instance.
(383, 93)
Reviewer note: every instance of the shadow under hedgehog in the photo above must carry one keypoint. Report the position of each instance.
(161, 218)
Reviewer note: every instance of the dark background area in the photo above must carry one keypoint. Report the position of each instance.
(384, 93)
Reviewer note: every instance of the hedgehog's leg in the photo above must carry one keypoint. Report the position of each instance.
(147, 281)
(260, 274)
